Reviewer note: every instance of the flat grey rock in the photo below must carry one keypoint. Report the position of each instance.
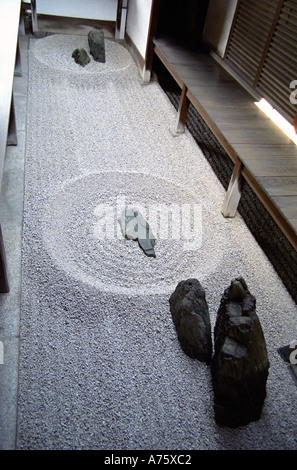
(135, 227)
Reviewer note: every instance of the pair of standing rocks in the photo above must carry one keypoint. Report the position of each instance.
(97, 49)
(239, 365)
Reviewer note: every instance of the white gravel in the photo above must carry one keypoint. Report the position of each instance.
(100, 362)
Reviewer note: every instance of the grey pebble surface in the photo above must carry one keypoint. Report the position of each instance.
(100, 363)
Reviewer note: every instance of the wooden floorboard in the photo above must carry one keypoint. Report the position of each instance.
(269, 156)
(294, 223)
(288, 205)
(271, 167)
(237, 134)
(280, 186)
(277, 151)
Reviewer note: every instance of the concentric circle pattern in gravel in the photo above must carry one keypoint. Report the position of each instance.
(100, 362)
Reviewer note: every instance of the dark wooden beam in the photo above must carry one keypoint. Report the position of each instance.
(148, 60)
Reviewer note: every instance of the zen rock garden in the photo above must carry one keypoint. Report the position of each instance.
(238, 360)
(239, 365)
(96, 46)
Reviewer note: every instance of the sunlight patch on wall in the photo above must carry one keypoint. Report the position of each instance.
(278, 119)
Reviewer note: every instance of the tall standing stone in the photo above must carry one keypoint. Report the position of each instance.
(97, 45)
(240, 364)
(190, 316)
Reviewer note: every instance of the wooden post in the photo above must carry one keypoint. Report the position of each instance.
(148, 60)
(34, 16)
(182, 111)
(233, 194)
(121, 19)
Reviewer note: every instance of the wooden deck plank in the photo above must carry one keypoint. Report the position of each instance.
(164, 58)
(235, 117)
(200, 72)
(276, 186)
(267, 150)
(294, 224)
(220, 96)
(272, 167)
(257, 135)
(288, 204)
(239, 126)
(230, 113)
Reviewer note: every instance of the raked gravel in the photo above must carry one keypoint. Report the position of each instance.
(100, 363)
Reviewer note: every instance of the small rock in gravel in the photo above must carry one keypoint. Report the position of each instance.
(81, 56)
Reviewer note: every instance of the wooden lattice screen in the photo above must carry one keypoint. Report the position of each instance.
(262, 49)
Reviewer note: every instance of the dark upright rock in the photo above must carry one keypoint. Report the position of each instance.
(190, 316)
(240, 364)
(96, 45)
(81, 56)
